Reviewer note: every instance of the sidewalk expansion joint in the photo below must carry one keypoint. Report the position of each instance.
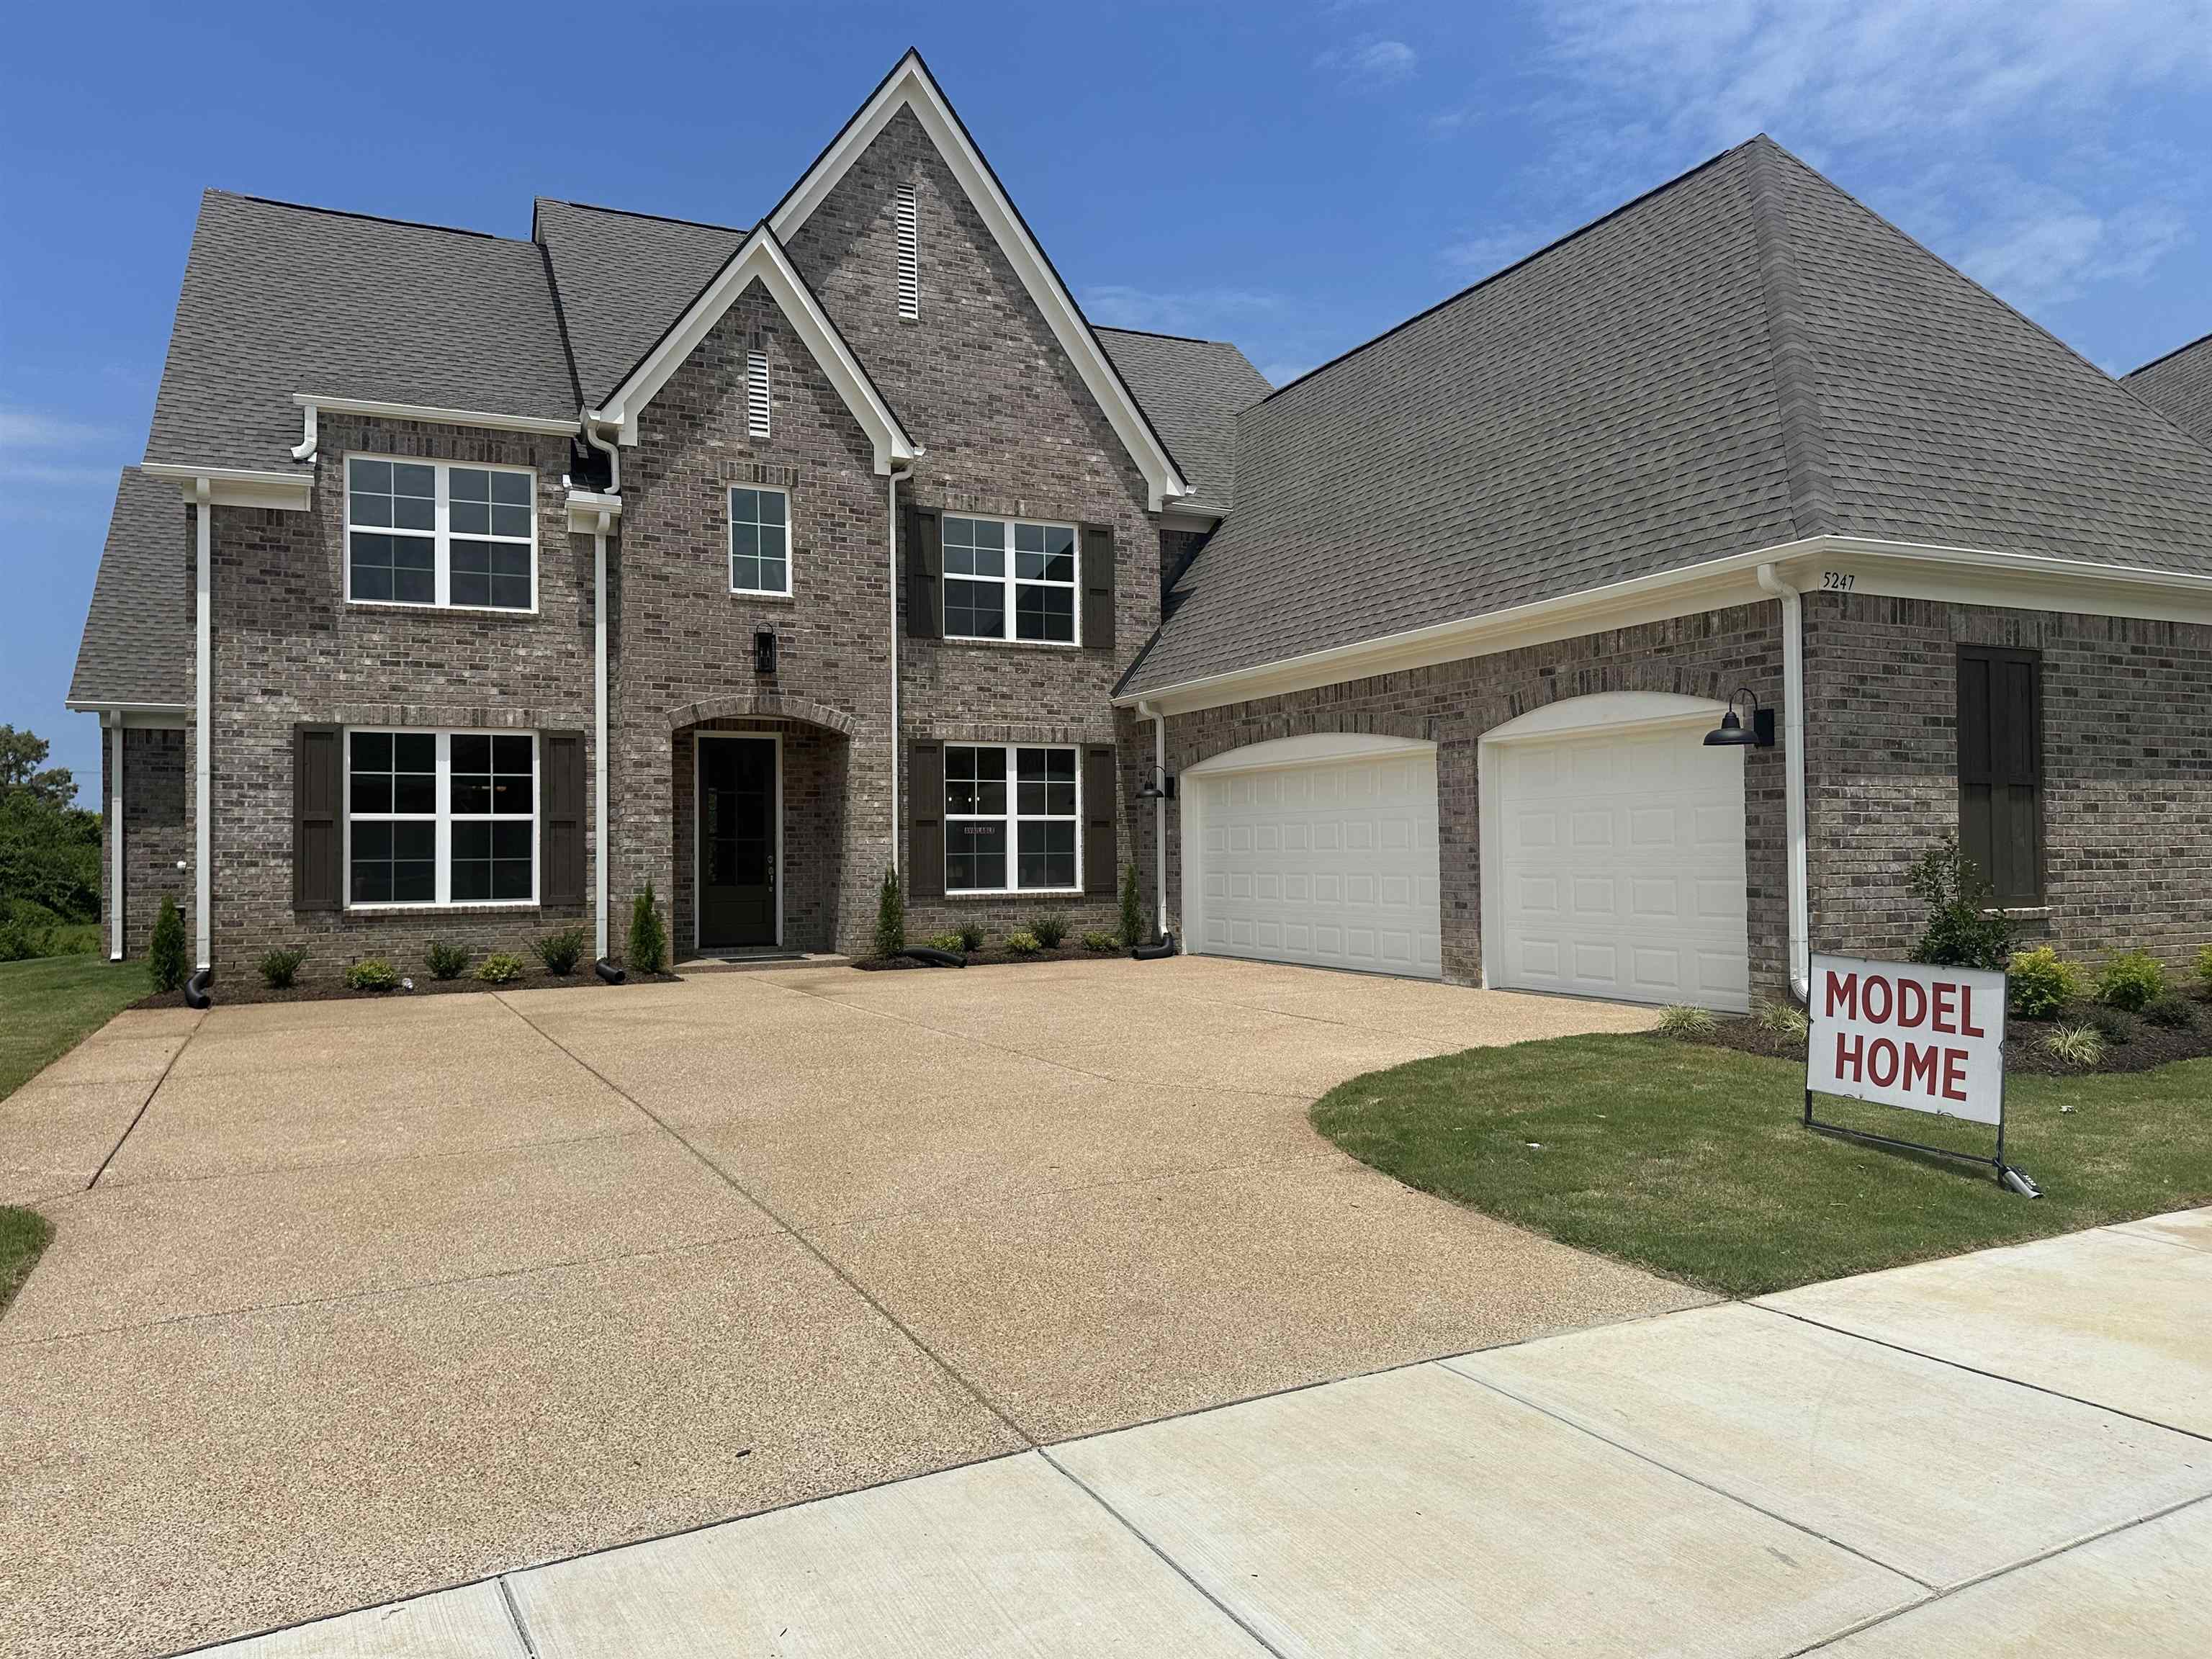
(143, 1105)
(515, 1617)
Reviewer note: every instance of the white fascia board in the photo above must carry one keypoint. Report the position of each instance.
(591, 513)
(137, 715)
(235, 486)
(567, 428)
(910, 85)
(762, 259)
(1957, 576)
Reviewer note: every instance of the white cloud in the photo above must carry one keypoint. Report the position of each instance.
(1370, 61)
(32, 428)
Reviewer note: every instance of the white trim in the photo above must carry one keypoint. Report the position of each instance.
(442, 534)
(313, 401)
(1901, 569)
(1306, 750)
(167, 716)
(443, 819)
(203, 701)
(910, 85)
(761, 258)
(115, 728)
(591, 513)
(760, 396)
(606, 518)
(1013, 817)
(233, 486)
(905, 215)
(1793, 761)
(730, 543)
(1012, 584)
(699, 740)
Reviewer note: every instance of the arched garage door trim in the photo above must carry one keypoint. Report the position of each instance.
(1612, 712)
(1311, 750)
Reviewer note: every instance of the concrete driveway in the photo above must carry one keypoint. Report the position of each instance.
(350, 1300)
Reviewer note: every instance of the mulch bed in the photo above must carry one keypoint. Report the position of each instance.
(2145, 1046)
(334, 990)
(1071, 952)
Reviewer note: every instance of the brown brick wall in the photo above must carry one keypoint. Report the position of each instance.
(155, 837)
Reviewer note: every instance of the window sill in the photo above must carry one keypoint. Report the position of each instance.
(761, 596)
(1008, 645)
(488, 908)
(2022, 912)
(987, 894)
(412, 609)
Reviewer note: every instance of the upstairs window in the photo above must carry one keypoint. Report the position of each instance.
(909, 255)
(1006, 579)
(2001, 769)
(432, 533)
(757, 403)
(760, 542)
(1010, 819)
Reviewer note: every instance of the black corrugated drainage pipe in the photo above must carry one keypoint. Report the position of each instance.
(1162, 947)
(934, 958)
(195, 988)
(608, 971)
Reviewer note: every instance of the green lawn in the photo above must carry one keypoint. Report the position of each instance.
(1692, 1161)
(46, 1008)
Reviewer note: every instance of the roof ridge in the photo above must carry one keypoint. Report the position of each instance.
(1796, 379)
(370, 218)
(638, 213)
(2164, 356)
(1162, 334)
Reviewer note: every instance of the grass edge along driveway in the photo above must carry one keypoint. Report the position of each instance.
(1692, 1160)
(48, 1006)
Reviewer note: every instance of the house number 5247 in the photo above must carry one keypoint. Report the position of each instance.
(1837, 581)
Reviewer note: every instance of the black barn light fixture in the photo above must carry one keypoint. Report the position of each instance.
(1159, 784)
(1731, 733)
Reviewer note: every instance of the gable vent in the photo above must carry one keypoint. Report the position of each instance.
(756, 399)
(909, 255)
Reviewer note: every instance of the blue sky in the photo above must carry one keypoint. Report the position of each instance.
(1293, 176)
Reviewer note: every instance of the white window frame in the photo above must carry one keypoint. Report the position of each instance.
(1014, 584)
(730, 541)
(441, 536)
(1013, 817)
(445, 818)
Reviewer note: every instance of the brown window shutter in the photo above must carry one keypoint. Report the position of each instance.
(561, 820)
(921, 532)
(2001, 769)
(925, 823)
(1097, 561)
(1102, 855)
(318, 830)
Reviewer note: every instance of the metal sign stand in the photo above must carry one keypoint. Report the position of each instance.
(2017, 1180)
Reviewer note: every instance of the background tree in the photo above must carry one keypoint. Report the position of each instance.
(49, 847)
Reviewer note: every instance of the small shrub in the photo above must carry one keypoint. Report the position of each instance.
(2174, 1013)
(648, 944)
(2115, 1027)
(2132, 980)
(2076, 1045)
(562, 951)
(2204, 967)
(2041, 982)
(1133, 907)
(1680, 1020)
(890, 916)
(1023, 942)
(280, 968)
(372, 974)
(500, 968)
(165, 956)
(971, 937)
(1960, 931)
(446, 960)
(1783, 1021)
(1100, 940)
(945, 942)
(1050, 932)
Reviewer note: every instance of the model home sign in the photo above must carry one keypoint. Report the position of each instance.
(1901, 1034)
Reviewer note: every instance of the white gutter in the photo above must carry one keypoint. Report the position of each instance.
(305, 449)
(203, 682)
(599, 731)
(114, 725)
(311, 401)
(902, 469)
(1146, 710)
(1793, 761)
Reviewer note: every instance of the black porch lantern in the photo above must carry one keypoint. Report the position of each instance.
(1159, 784)
(1731, 733)
(764, 652)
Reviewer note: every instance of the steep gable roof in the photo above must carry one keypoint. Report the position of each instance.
(1743, 357)
(2179, 386)
(280, 300)
(137, 644)
(623, 279)
(1193, 390)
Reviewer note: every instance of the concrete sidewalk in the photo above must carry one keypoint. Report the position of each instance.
(2008, 1452)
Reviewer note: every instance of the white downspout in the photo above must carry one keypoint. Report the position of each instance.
(115, 841)
(1793, 761)
(203, 696)
(1159, 808)
(891, 540)
(600, 732)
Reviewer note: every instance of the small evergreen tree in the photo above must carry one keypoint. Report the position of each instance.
(648, 944)
(1133, 907)
(1965, 928)
(890, 916)
(164, 958)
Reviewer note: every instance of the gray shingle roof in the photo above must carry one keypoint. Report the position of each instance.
(279, 299)
(137, 644)
(1744, 357)
(2179, 386)
(623, 279)
(1193, 391)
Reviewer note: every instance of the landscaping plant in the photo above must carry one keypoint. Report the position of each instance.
(2076, 1045)
(2204, 967)
(1022, 943)
(1050, 930)
(165, 956)
(2112, 1024)
(1784, 1020)
(2132, 980)
(1963, 930)
(501, 968)
(1133, 908)
(372, 974)
(562, 951)
(446, 960)
(648, 945)
(971, 937)
(2042, 982)
(1681, 1020)
(946, 942)
(280, 967)
(2172, 1012)
(890, 916)
(1099, 939)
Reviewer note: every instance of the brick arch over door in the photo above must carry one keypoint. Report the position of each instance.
(764, 705)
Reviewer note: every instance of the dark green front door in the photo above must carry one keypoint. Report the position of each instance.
(737, 843)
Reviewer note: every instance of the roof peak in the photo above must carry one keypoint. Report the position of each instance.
(368, 218)
(638, 213)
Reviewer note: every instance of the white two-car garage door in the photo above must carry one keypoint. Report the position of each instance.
(1319, 850)
(1619, 863)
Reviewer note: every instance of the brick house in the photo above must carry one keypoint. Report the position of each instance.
(469, 586)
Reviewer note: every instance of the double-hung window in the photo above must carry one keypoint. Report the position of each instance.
(760, 542)
(433, 533)
(1010, 819)
(1007, 580)
(441, 817)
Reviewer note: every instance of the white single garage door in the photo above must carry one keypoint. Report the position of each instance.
(1621, 866)
(1306, 854)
